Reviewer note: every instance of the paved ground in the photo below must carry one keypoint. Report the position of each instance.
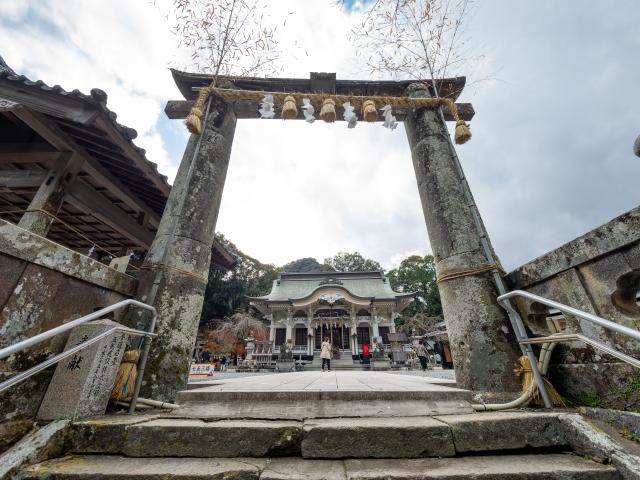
(438, 373)
(316, 394)
(337, 380)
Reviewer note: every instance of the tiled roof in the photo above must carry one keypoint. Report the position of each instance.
(97, 98)
(291, 286)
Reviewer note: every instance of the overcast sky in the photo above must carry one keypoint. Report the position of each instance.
(551, 156)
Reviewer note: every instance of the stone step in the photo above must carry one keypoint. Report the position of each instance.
(311, 387)
(301, 410)
(338, 438)
(511, 467)
(209, 394)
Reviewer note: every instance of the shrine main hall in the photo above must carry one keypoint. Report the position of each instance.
(348, 307)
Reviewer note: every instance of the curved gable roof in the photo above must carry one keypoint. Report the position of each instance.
(294, 286)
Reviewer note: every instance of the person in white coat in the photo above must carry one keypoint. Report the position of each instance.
(325, 354)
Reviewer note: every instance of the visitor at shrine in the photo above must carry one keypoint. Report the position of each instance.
(223, 363)
(365, 353)
(325, 354)
(422, 354)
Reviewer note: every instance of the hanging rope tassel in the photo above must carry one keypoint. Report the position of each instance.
(523, 368)
(328, 111)
(289, 109)
(463, 134)
(126, 378)
(194, 119)
(369, 112)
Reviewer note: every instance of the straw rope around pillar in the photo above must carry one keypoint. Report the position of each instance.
(450, 275)
(327, 103)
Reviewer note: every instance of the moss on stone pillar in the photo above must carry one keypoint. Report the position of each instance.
(177, 265)
(482, 343)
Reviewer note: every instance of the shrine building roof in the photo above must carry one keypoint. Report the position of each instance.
(363, 285)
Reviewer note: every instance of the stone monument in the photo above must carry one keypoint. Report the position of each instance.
(285, 361)
(82, 383)
(379, 359)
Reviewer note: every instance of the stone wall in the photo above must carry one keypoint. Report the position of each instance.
(599, 273)
(43, 285)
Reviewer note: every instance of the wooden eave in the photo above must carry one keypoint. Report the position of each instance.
(118, 197)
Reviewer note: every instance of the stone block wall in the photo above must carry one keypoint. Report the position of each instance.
(599, 273)
(43, 285)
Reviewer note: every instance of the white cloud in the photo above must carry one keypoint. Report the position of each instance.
(550, 158)
(123, 48)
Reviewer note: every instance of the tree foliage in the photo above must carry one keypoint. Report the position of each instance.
(418, 274)
(303, 265)
(229, 336)
(419, 324)
(350, 262)
(227, 289)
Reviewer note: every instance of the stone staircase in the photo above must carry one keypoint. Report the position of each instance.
(207, 440)
(512, 445)
(343, 363)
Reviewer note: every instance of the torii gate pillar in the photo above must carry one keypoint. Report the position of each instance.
(482, 344)
(177, 266)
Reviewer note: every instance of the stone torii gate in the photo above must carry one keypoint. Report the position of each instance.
(177, 265)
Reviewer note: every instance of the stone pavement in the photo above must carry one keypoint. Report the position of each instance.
(341, 380)
(438, 373)
(348, 393)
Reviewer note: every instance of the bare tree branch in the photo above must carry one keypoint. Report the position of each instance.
(226, 37)
(417, 39)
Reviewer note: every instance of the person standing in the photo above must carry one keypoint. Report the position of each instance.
(325, 354)
(223, 363)
(422, 353)
(365, 354)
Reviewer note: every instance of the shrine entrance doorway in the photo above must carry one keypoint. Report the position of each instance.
(174, 276)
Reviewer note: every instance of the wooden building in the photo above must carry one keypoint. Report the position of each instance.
(350, 308)
(70, 172)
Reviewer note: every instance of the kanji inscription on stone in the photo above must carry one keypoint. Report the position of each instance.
(82, 383)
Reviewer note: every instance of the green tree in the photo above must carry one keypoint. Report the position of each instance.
(418, 274)
(227, 290)
(302, 265)
(350, 262)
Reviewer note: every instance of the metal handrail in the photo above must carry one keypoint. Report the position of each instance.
(603, 322)
(570, 337)
(67, 353)
(29, 342)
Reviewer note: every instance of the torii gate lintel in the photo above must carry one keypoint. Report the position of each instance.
(318, 82)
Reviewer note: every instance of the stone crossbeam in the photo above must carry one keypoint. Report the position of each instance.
(178, 109)
(318, 82)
